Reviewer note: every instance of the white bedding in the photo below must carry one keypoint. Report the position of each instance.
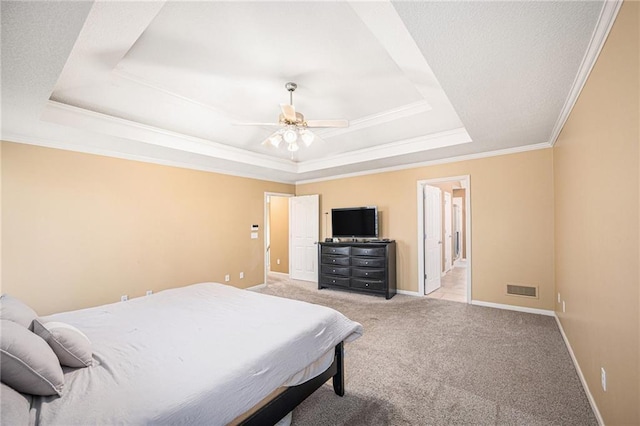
(201, 354)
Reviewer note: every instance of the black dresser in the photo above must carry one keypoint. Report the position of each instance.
(362, 267)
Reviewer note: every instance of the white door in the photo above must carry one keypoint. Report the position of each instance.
(448, 233)
(304, 230)
(432, 238)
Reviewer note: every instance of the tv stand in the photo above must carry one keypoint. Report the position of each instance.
(364, 267)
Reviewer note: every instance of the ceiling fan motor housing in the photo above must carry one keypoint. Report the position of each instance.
(299, 120)
(290, 86)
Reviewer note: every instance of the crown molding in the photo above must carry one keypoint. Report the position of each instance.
(407, 146)
(80, 118)
(89, 149)
(607, 17)
(477, 156)
(84, 119)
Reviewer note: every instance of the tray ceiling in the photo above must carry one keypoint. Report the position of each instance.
(419, 81)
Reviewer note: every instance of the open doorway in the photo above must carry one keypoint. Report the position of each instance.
(292, 229)
(276, 236)
(444, 238)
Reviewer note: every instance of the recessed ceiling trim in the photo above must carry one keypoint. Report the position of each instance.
(607, 17)
(71, 116)
(120, 73)
(83, 67)
(407, 146)
(385, 24)
(93, 150)
(477, 156)
(403, 111)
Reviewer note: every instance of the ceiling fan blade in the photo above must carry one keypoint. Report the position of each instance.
(327, 123)
(289, 112)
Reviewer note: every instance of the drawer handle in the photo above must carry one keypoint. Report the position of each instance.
(334, 281)
(367, 274)
(334, 261)
(367, 284)
(366, 263)
(334, 270)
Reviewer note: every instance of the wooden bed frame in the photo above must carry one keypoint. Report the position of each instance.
(281, 405)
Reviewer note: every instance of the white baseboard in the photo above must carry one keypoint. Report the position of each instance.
(514, 308)
(282, 274)
(409, 293)
(256, 287)
(592, 401)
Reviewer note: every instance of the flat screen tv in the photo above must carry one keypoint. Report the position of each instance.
(355, 222)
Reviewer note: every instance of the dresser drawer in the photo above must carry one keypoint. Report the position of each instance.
(368, 284)
(334, 280)
(335, 270)
(335, 250)
(377, 274)
(366, 251)
(370, 262)
(335, 260)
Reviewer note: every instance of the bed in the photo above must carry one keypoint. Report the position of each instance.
(203, 354)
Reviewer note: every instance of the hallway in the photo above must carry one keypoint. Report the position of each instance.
(453, 286)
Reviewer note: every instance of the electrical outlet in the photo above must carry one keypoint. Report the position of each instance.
(603, 377)
(124, 298)
(149, 292)
(278, 261)
(241, 275)
(226, 278)
(564, 308)
(558, 297)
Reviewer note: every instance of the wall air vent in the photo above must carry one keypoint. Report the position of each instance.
(521, 290)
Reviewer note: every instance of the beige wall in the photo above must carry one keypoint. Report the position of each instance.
(512, 219)
(81, 230)
(279, 224)
(596, 164)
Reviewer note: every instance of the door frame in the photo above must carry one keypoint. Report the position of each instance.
(466, 183)
(447, 253)
(457, 202)
(265, 221)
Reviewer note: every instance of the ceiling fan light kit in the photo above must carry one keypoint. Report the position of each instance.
(294, 127)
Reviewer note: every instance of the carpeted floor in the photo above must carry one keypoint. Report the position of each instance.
(434, 362)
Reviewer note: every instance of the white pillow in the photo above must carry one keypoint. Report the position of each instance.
(71, 346)
(27, 363)
(13, 309)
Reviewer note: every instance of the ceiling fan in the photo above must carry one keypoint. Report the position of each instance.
(293, 126)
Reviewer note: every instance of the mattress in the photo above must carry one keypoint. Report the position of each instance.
(201, 354)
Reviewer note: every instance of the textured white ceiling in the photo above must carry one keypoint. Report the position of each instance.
(419, 81)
